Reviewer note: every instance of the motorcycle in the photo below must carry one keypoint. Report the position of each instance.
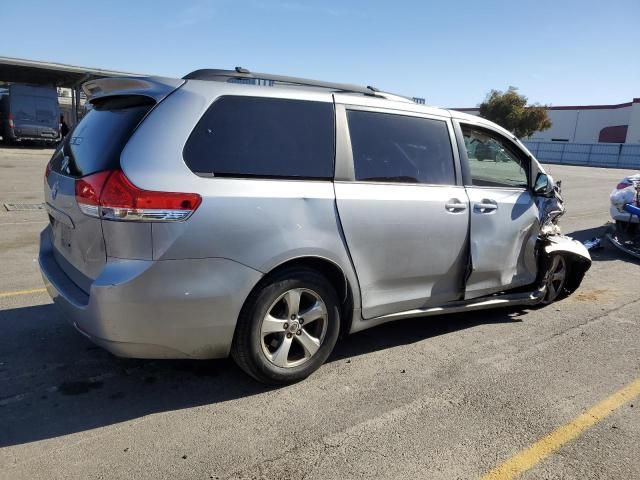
(626, 200)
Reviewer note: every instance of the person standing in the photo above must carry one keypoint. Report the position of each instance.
(64, 128)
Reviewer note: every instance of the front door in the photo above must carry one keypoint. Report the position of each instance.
(504, 217)
(404, 217)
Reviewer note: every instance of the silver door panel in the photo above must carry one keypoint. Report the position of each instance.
(504, 229)
(407, 247)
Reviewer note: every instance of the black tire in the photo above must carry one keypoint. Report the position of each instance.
(247, 348)
(626, 230)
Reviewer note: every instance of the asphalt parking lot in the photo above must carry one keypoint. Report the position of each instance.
(448, 397)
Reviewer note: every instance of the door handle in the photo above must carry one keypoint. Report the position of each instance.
(454, 206)
(485, 206)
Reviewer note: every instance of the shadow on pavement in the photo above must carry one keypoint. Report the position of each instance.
(607, 252)
(405, 332)
(589, 233)
(54, 382)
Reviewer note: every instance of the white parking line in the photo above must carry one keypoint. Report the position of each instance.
(44, 220)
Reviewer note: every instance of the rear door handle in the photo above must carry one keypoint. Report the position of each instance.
(454, 205)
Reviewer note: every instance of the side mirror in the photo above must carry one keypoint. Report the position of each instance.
(543, 185)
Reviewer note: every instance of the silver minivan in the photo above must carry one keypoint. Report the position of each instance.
(262, 216)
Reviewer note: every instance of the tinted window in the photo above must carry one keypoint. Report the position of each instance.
(493, 161)
(396, 148)
(96, 142)
(264, 137)
(34, 108)
(46, 111)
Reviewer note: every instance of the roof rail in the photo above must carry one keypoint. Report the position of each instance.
(240, 74)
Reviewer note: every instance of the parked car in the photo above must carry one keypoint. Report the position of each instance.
(202, 217)
(29, 112)
(489, 150)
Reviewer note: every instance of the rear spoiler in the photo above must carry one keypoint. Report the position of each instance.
(153, 87)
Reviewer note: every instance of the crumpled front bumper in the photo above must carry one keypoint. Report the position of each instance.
(562, 243)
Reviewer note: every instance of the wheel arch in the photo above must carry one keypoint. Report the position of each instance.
(329, 269)
(575, 253)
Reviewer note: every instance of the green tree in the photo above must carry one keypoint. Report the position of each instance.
(509, 110)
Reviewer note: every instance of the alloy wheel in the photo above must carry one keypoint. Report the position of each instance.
(294, 328)
(555, 278)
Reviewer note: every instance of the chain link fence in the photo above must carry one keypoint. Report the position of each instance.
(611, 155)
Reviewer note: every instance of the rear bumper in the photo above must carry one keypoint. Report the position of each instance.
(154, 309)
(17, 137)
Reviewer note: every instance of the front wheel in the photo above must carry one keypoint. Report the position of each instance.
(287, 327)
(555, 278)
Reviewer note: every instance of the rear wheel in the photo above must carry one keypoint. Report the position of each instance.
(287, 327)
(555, 278)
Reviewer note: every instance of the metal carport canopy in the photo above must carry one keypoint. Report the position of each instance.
(18, 70)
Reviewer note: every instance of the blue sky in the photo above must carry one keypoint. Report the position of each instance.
(452, 53)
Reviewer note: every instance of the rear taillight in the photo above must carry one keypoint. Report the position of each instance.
(47, 170)
(88, 191)
(11, 121)
(622, 185)
(111, 195)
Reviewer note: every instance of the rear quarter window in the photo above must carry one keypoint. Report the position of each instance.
(96, 142)
(263, 137)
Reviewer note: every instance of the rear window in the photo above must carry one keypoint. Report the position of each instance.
(263, 137)
(24, 108)
(96, 142)
(46, 111)
(33, 108)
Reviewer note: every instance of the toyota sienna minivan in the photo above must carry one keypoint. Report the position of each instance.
(260, 216)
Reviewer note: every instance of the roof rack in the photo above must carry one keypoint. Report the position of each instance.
(240, 74)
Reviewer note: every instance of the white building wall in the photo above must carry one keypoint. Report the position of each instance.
(563, 126)
(590, 122)
(633, 133)
(583, 124)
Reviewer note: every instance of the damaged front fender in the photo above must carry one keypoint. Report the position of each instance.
(550, 208)
(562, 243)
(552, 242)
